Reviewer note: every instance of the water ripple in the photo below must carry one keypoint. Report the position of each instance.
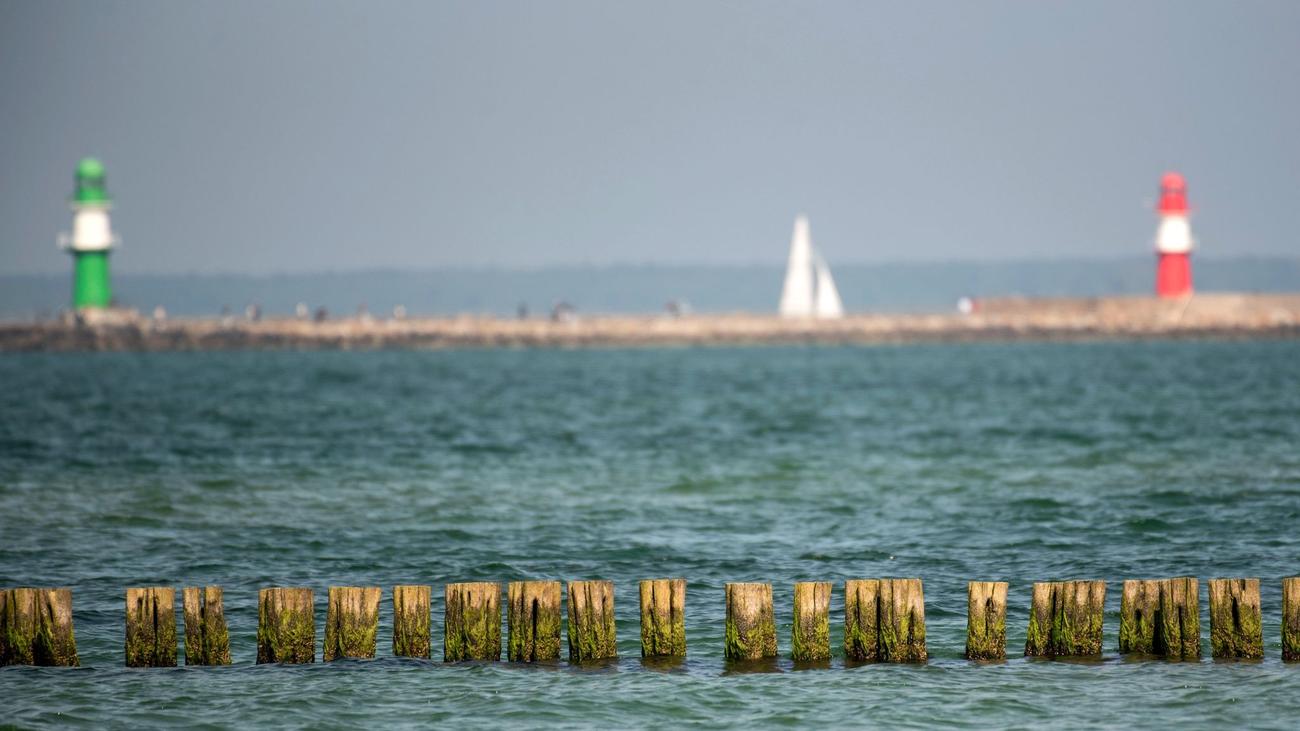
(953, 463)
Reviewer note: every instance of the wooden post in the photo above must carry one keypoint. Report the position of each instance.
(663, 624)
(986, 620)
(1291, 619)
(286, 626)
(1161, 617)
(36, 628)
(411, 637)
(1235, 631)
(1178, 632)
(884, 620)
(1042, 605)
(1138, 606)
(207, 640)
(1065, 619)
(534, 620)
(810, 634)
(351, 622)
(902, 621)
(751, 630)
(592, 634)
(472, 622)
(862, 620)
(151, 627)
(17, 626)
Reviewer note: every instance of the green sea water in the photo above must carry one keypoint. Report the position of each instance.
(1019, 462)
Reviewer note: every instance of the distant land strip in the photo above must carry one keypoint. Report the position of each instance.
(1217, 315)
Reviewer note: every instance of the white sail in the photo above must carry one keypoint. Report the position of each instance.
(829, 306)
(797, 294)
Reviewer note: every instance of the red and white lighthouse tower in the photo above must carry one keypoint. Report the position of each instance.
(1173, 239)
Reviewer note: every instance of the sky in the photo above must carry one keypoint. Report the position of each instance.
(252, 137)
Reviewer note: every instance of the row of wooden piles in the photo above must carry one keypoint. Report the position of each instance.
(1158, 617)
(884, 621)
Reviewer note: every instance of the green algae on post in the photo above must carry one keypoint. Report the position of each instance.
(472, 622)
(36, 628)
(902, 621)
(151, 627)
(862, 620)
(286, 626)
(1065, 619)
(534, 621)
(1161, 617)
(1138, 609)
(986, 620)
(351, 622)
(884, 620)
(56, 646)
(207, 640)
(1235, 631)
(1291, 619)
(17, 626)
(592, 634)
(810, 633)
(1178, 628)
(751, 630)
(663, 625)
(411, 637)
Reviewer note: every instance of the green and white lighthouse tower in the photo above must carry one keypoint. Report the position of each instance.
(91, 238)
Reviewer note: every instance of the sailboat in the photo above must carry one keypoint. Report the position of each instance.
(809, 289)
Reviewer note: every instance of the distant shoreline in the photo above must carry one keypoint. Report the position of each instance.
(887, 287)
(1216, 315)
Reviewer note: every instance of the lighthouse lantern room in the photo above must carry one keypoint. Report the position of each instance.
(1173, 239)
(91, 238)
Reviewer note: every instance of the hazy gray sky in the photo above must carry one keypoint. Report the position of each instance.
(287, 136)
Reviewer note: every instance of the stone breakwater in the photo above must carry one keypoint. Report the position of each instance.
(1006, 319)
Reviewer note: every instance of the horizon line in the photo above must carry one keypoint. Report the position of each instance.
(648, 265)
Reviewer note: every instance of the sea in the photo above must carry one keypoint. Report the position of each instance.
(1016, 462)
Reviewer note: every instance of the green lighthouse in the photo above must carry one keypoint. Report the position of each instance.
(91, 238)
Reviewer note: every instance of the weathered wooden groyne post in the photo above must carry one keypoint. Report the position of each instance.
(1161, 617)
(751, 628)
(351, 622)
(286, 626)
(810, 633)
(1179, 629)
(902, 620)
(884, 620)
(36, 627)
(862, 620)
(986, 620)
(1139, 604)
(534, 621)
(207, 640)
(663, 618)
(411, 636)
(1235, 630)
(1065, 619)
(592, 633)
(1291, 619)
(151, 627)
(472, 622)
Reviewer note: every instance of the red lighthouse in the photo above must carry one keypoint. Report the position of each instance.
(1173, 239)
